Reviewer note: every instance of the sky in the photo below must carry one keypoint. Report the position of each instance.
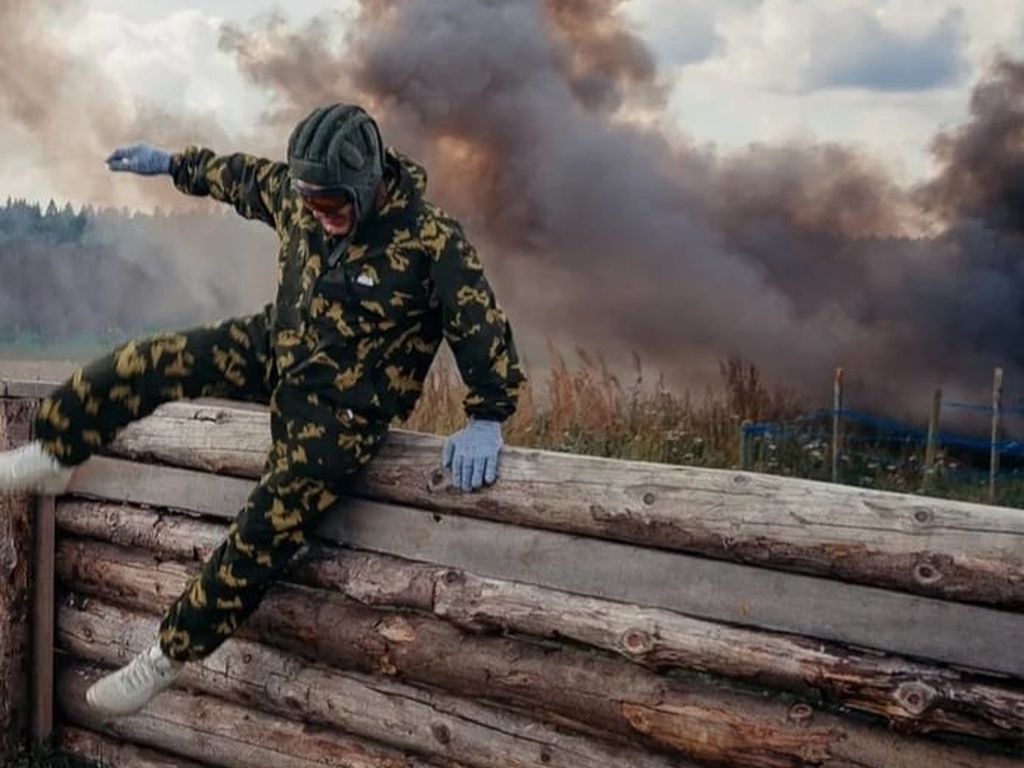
(883, 75)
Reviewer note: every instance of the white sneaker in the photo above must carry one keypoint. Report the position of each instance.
(30, 469)
(131, 687)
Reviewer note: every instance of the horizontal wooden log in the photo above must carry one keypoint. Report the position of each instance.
(112, 753)
(219, 732)
(915, 697)
(16, 586)
(693, 718)
(401, 716)
(929, 546)
(913, 625)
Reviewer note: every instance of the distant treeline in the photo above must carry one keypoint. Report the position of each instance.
(30, 223)
(105, 273)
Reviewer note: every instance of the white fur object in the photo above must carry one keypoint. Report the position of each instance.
(30, 469)
(130, 688)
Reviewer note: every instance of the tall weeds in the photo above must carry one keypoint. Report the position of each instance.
(585, 408)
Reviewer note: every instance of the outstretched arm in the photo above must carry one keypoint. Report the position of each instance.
(252, 185)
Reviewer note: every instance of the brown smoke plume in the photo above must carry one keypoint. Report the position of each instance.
(619, 234)
(982, 162)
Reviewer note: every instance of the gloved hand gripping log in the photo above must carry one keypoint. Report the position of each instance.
(372, 277)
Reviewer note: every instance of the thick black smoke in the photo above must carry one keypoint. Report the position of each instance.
(798, 258)
(618, 234)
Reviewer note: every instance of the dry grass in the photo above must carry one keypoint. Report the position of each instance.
(586, 409)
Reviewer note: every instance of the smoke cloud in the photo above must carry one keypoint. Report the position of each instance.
(621, 234)
(126, 274)
(609, 228)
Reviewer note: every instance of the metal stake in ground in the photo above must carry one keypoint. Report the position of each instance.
(997, 406)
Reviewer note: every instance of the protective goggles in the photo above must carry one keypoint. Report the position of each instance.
(325, 200)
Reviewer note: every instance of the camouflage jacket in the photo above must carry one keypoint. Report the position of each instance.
(361, 324)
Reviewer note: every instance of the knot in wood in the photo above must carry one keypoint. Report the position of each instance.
(441, 733)
(545, 754)
(927, 573)
(637, 641)
(800, 714)
(915, 697)
(438, 480)
(923, 515)
(649, 498)
(246, 658)
(454, 577)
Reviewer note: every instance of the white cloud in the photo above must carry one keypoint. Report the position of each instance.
(681, 32)
(774, 76)
(173, 62)
(798, 45)
(156, 10)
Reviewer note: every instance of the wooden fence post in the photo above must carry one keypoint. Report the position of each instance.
(43, 613)
(16, 522)
(997, 407)
(745, 445)
(932, 448)
(837, 407)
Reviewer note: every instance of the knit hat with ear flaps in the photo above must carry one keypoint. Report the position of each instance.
(339, 146)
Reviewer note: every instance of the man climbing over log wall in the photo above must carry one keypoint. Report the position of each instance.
(371, 276)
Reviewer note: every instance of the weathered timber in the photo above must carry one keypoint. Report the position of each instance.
(221, 733)
(958, 633)
(16, 552)
(948, 549)
(915, 697)
(42, 619)
(112, 753)
(414, 719)
(693, 718)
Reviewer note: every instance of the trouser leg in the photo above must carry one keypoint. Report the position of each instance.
(316, 452)
(229, 359)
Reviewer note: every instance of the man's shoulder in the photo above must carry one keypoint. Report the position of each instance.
(437, 216)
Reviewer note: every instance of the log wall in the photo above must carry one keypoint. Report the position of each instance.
(581, 612)
(16, 539)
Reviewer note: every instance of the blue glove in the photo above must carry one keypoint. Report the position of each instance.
(143, 159)
(472, 454)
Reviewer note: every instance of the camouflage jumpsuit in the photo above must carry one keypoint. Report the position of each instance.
(341, 352)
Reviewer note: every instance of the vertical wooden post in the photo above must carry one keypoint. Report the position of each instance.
(15, 590)
(932, 447)
(837, 407)
(43, 619)
(997, 407)
(744, 458)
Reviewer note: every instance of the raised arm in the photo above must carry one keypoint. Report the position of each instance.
(252, 185)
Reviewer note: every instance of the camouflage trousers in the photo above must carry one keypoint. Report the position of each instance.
(317, 448)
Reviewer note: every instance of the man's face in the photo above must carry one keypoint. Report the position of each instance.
(333, 209)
